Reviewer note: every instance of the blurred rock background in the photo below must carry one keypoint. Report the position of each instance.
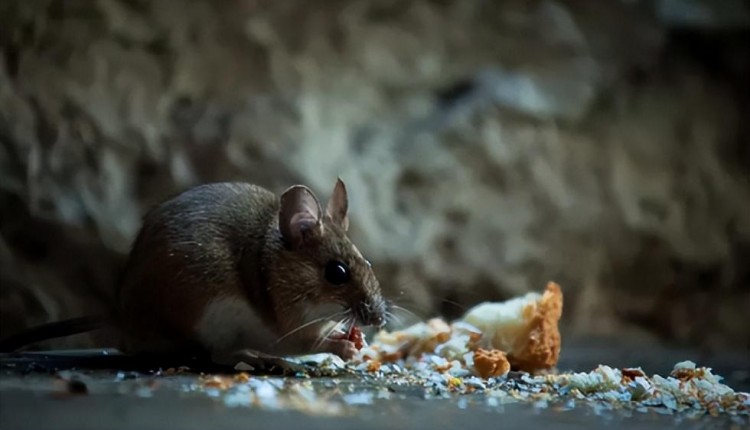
(488, 146)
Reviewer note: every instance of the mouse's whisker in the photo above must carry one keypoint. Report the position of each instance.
(344, 324)
(455, 303)
(390, 316)
(300, 297)
(308, 324)
(402, 309)
(404, 301)
(325, 335)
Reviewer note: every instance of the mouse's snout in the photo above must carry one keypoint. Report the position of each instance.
(371, 312)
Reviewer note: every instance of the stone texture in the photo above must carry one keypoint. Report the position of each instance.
(488, 146)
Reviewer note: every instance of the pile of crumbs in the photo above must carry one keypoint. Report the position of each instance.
(471, 359)
(689, 390)
(497, 353)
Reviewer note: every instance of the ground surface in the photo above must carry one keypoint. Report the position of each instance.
(121, 399)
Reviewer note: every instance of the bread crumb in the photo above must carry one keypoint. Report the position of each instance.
(373, 366)
(241, 377)
(220, 382)
(490, 363)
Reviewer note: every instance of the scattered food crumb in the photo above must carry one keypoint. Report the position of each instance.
(490, 364)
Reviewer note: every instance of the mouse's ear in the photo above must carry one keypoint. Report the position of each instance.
(338, 206)
(299, 215)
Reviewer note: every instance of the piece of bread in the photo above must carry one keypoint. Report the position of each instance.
(525, 328)
(520, 333)
(423, 337)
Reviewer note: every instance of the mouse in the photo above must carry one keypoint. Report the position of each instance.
(235, 272)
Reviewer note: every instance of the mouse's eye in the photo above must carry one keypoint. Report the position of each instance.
(337, 272)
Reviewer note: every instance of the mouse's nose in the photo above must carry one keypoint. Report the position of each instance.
(371, 314)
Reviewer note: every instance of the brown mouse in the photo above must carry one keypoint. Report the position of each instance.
(231, 270)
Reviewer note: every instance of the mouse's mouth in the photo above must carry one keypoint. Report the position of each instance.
(345, 322)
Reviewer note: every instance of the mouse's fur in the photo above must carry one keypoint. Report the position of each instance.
(229, 266)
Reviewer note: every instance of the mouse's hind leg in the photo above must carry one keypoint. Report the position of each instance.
(235, 334)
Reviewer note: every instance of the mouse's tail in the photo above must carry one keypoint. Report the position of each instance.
(51, 331)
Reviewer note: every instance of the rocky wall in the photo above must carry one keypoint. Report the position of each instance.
(488, 146)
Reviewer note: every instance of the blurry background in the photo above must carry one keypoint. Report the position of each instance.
(488, 146)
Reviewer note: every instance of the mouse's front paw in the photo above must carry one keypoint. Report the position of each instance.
(252, 360)
(344, 348)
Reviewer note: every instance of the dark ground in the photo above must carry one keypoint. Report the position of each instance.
(28, 400)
